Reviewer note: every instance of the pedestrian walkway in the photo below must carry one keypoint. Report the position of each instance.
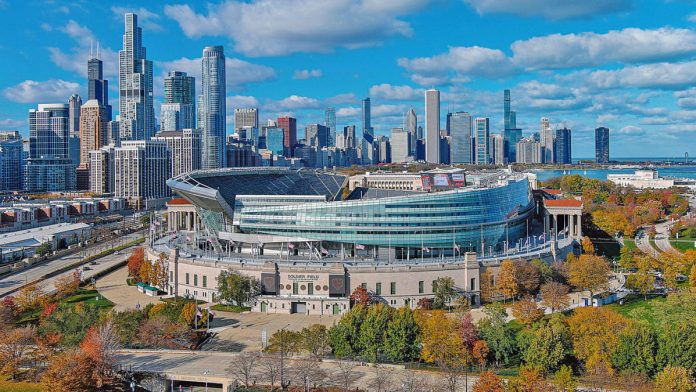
(114, 288)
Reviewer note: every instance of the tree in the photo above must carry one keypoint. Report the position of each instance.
(343, 336)
(548, 344)
(587, 246)
(309, 373)
(159, 332)
(188, 313)
(402, 339)
(360, 296)
(372, 331)
(674, 379)
(145, 272)
(642, 280)
(382, 380)
(467, 330)
(99, 346)
(595, 332)
(71, 322)
(69, 371)
(44, 249)
(565, 380)
(489, 382)
(237, 288)
(531, 379)
(135, 260)
(16, 345)
(692, 278)
(677, 345)
(506, 282)
(590, 273)
(528, 277)
(271, 366)
(545, 270)
(636, 350)
(67, 284)
(554, 296)
(244, 367)
(480, 353)
(497, 334)
(346, 375)
(527, 311)
(315, 340)
(488, 290)
(284, 343)
(442, 345)
(444, 291)
(30, 297)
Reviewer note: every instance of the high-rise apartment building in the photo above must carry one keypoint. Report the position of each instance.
(528, 151)
(461, 134)
(400, 146)
(482, 139)
(432, 126)
(214, 116)
(563, 146)
(141, 170)
(602, 145)
(49, 167)
(137, 114)
(330, 122)
(246, 118)
(275, 140)
(497, 149)
(546, 139)
(289, 127)
(184, 149)
(97, 86)
(92, 137)
(10, 162)
(179, 108)
(101, 173)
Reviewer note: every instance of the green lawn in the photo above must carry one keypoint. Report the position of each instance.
(230, 308)
(630, 243)
(637, 308)
(23, 386)
(683, 244)
(87, 295)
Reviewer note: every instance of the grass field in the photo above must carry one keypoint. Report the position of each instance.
(23, 386)
(87, 295)
(230, 308)
(683, 244)
(637, 308)
(630, 243)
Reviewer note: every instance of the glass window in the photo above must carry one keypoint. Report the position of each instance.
(195, 279)
(378, 288)
(363, 285)
(205, 281)
(393, 288)
(187, 278)
(294, 288)
(420, 287)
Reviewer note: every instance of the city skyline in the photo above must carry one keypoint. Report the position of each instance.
(613, 85)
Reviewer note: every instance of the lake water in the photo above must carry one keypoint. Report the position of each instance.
(601, 174)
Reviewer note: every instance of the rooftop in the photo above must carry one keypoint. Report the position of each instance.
(563, 203)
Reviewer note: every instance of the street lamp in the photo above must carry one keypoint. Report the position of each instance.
(205, 374)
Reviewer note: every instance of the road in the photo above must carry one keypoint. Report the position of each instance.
(643, 243)
(32, 274)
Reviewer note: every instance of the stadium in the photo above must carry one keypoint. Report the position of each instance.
(313, 235)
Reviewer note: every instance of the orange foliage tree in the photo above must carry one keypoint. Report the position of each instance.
(135, 260)
(489, 382)
(595, 333)
(527, 311)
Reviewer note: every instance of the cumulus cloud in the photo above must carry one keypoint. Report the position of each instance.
(322, 26)
(348, 112)
(686, 98)
(293, 102)
(302, 74)
(341, 99)
(551, 9)
(242, 101)
(629, 45)
(630, 130)
(668, 76)
(31, 91)
(75, 59)
(396, 93)
(239, 73)
(146, 18)
(459, 62)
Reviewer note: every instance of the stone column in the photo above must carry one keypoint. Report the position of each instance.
(579, 227)
(571, 225)
(555, 226)
(547, 229)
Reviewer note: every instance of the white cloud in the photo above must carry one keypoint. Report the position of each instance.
(342, 99)
(147, 19)
(551, 9)
(630, 130)
(686, 98)
(606, 118)
(692, 18)
(396, 93)
(348, 112)
(629, 45)
(668, 76)
(239, 73)
(321, 26)
(31, 91)
(307, 74)
(11, 123)
(459, 62)
(293, 102)
(76, 59)
(242, 101)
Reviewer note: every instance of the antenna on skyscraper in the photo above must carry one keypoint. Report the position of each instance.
(98, 51)
(91, 49)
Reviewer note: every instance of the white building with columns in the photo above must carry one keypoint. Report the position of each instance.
(564, 217)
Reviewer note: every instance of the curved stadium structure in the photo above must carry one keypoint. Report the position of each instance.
(282, 205)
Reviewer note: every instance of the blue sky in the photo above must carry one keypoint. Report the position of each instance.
(626, 64)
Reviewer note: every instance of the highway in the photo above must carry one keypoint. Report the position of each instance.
(12, 282)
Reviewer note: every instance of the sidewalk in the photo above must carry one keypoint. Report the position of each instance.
(114, 288)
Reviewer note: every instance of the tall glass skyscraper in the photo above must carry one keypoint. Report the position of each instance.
(179, 108)
(432, 126)
(602, 145)
(367, 118)
(74, 105)
(460, 137)
(411, 127)
(97, 86)
(49, 167)
(482, 140)
(563, 146)
(330, 122)
(214, 114)
(135, 85)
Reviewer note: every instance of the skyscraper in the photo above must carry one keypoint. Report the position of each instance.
(400, 146)
(92, 137)
(137, 121)
(367, 118)
(546, 138)
(602, 145)
(74, 104)
(215, 115)
(101, 172)
(49, 167)
(246, 117)
(289, 126)
(330, 122)
(460, 138)
(432, 126)
(511, 134)
(141, 170)
(317, 135)
(179, 108)
(11, 164)
(563, 146)
(482, 140)
(506, 109)
(184, 150)
(411, 127)
(97, 87)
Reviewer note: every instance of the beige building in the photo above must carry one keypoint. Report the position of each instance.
(92, 137)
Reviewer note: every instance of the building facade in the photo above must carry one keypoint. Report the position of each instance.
(563, 146)
(141, 170)
(432, 126)
(482, 140)
(330, 122)
(289, 127)
(547, 140)
(11, 165)
(602, 145)
(246, 117)
(184, 149)
(461, 137)
(102, 178)
(97, 86)
(214, 92)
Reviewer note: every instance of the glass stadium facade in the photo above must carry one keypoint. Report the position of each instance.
(305, 205)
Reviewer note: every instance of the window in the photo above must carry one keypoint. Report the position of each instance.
(171, 276)
(363, 285)
(195, 279)
(434, 285)
(187, 278)
(205, 281)
(378, 288)
(393, 288)
(294, 288)
(473, 284)
(420, 287)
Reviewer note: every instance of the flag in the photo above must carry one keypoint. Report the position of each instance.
(426, 249)
(359, 247)
(324, 251)
(542, 237)
(456, 247)
(291, 246)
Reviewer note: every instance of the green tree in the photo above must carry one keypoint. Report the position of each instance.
(642, 280)
(674, 379)
(127, 323)
(565, 380)
(636, 350)
(343, 337)
(497, 334)
(548, 345)
(44, 249)
(71, 322)
(444, 291)
(315, 340)
(545, 270)
(402, 340)
(372, 331)
(237, 288)
(677, 346)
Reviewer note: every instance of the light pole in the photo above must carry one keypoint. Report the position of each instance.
(205, 374)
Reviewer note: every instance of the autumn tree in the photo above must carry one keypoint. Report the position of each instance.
(145, 272)
(67, 284)
(30, 297)
(531, 379)
(554, 296)
(590, 273)
(674, 379)
(587, 246)
(480, 352)
(527, 311)
(467, 330)
(16, 345)
(642, 280)
(528, 276)
(315, 340)
(564, 379)
(595, 332)
(488, 289)
(99, 347)
(506, 283)
(135, 260)
(69, 371)
(442, 345)
(244, 367)
(360, 296)
(489, 382)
